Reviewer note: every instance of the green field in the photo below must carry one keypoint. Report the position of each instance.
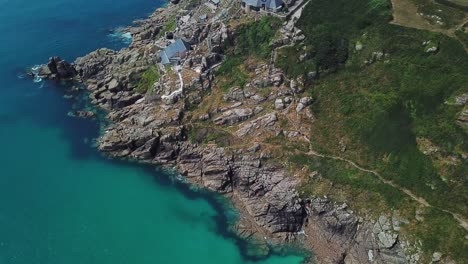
(381, 106)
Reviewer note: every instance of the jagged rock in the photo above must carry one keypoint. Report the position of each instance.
(387, 240)
(349, 241)
(463, 117)
(95, 62)
(113, 85)
(358, 46)
(258, 98)
(377, 55)
(264, 121)
(312, 75)
(84, 114)
(57, 68)
(254, 148)
(233, 116)
(279, 104)
(147, 129)
(436, 257)
(216, 172)
(303, 103)
(234, 94)
(462, 99)
(299, 38)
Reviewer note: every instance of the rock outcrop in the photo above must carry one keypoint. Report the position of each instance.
(57, 68)
(347, 239)
(154, 131)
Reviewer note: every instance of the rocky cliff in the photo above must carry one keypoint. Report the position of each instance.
(152, 130)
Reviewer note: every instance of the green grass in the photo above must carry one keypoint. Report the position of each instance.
(252, 40)
(233, 73)
(288, 60)
(329, 31)
(169, 26)
(367, 187)
(440, 232)
(462, 35)
(201, 134)
(385, 106)
(459, 4)
(380, 109)
(147, 80)
(450, 12)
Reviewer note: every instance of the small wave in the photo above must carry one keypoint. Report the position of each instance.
(37, 79)
(121, 35)
(35, 73)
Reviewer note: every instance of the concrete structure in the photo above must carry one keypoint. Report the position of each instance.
(173, 53)
(268, 5)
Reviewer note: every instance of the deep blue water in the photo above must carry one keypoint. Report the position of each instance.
(60, 201)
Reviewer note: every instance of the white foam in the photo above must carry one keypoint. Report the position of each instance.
(121, 35)
(35, 72)
(127, 35)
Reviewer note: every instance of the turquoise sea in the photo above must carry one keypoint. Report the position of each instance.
(60, 201)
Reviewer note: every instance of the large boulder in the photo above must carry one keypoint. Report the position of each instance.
(57, 68)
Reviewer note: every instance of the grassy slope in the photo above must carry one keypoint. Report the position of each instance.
(380, 110)
(252, 41)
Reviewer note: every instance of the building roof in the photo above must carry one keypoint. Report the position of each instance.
(269, 4)
(215, 1)
(173, 50)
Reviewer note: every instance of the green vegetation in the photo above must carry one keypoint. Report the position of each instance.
(147, 80)
(232, 68)
(328, 33)
(462, 35)
(381, 108)
(169, 26)
(364, 188)
(440, 232)
(288, 60)
(460, 4)
(450, 12)
(206, 134)
(253, 40)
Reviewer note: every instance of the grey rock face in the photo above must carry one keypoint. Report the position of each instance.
(303, 103)
(349, 240)
(146, 129)
(234, 116)
(267, 192)
(462, 99)
(279, 104)
(57, 68)
(94, 62)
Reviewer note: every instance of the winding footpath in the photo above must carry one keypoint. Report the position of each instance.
(463, 223)
(181, 88)
(460, 219)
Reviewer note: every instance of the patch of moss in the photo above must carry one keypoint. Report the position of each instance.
(206, 134)
(169, 26)
(148, 79)
(252, 40)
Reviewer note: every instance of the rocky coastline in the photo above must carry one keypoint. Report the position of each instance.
(153, 128)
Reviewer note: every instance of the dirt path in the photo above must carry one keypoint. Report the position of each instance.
(405, 14)
(463, 223)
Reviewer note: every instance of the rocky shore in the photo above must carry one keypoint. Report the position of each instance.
(154, 128)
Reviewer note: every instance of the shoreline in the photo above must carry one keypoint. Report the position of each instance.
(153, 132)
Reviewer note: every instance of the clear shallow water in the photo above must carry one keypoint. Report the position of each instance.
(60, 202)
